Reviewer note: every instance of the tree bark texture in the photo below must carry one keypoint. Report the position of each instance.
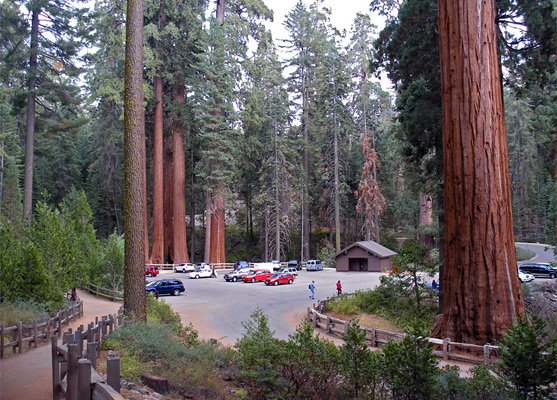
(217, 251)
(30, 136)
(425, 217)
(482, 294)
(306, 234)
(168, 198)
(134, 140)
(179, 183)
(208, 213)
(157, 248)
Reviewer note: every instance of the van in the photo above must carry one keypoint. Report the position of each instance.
(314, 265)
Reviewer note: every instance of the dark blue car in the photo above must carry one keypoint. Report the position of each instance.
(166, 286)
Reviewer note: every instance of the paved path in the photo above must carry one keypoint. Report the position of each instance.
(28, 376)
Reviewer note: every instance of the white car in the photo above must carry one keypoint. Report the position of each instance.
(524, 277)
(184, 267)
(203, 273)
(288, 270)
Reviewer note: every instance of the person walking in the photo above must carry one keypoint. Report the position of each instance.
(339, 288)
(312, 288)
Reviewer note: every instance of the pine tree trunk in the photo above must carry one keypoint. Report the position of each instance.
(134, 140)
(157, 249)
(277, 195)
(30, 137)
(179, 183)
(168, 198)
(482, 294)
(192, 202)
(305, 200)
(425, 217)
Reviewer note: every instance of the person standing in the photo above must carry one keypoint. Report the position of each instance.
(312, 288)
(339, 288)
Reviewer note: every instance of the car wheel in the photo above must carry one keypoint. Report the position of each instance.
(252, 280)
(234, 279)
(276, 283)
(196, 276)
(552, 276)
(176, 292)
(150, 275)
(290, 281)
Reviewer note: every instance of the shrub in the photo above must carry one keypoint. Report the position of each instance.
(528, 358)
(344, 304)
(159, 312)
(26, 312)
(524, 254)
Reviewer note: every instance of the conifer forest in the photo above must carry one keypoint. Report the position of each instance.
(189, 128)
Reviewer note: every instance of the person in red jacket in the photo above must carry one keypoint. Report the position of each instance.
(339, 288)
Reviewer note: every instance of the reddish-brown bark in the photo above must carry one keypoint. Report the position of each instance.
(180, 253)
(217, 251)
(167, 195)
(157, 249)
(482, 294)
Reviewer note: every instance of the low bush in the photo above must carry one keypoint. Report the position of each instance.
(26, 312)
(524, 254)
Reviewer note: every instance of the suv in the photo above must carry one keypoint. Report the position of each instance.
(314, 265)
(165, 286)
(184, 267)
(540, 269)
(294, 264)
(151, 271)
(241, 265)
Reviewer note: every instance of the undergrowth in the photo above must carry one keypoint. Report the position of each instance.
(26, 312)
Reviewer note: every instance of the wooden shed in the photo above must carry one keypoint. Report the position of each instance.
(364, 256)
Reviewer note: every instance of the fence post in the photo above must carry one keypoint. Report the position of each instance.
(328, 328)
(103, 325)
(113, 372)
(92, 353)
(84, 379)
(373, 337)
(55, 368)
(79, 342)
(2, 341)
(487, 354)
(446, 348)
(35, 333)
(72, 372)
(58, 326)
(20, 335)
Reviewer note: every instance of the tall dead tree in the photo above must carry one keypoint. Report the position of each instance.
(482, 295)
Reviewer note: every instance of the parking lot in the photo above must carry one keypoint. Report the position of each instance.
(216, 307)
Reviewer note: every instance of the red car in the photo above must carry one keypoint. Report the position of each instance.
(258, 275)
(151, 271)
(279, 279)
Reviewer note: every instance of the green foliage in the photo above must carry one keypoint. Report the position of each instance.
(326, 255)
(159, 312)
(529, 358)
(260, 353)
(345, 304)
(524, 254)
(410, 367)
(310, 366)
(108, 272)
(360, 366)
(24, 311)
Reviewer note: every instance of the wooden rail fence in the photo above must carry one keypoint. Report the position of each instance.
(16, 336)
(111, 294)
(443, 348)
(74, 362)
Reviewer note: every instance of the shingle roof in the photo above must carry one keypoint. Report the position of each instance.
(371, 246)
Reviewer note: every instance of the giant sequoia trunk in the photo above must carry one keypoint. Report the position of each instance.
(179, 183)
(217, 252)
(168, 198)
(157, 249)
(30, 137)
(482, 294)
(134, 163)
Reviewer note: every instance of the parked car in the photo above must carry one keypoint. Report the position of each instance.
(203, 273)
(259, 275)
(294, 264)
(166, 286)
(271, 266)
(238, 274)
(314, 265)
(151, 270)
(278, 279)
(184, 267)
(241, 265)
(540, 269)
(524, 277)
(288, 270)
(202, 265)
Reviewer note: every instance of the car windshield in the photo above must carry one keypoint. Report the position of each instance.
(153, 284)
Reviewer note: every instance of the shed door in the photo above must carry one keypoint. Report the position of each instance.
(357, 264)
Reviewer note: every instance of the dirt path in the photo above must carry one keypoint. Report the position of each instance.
(28, 376)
